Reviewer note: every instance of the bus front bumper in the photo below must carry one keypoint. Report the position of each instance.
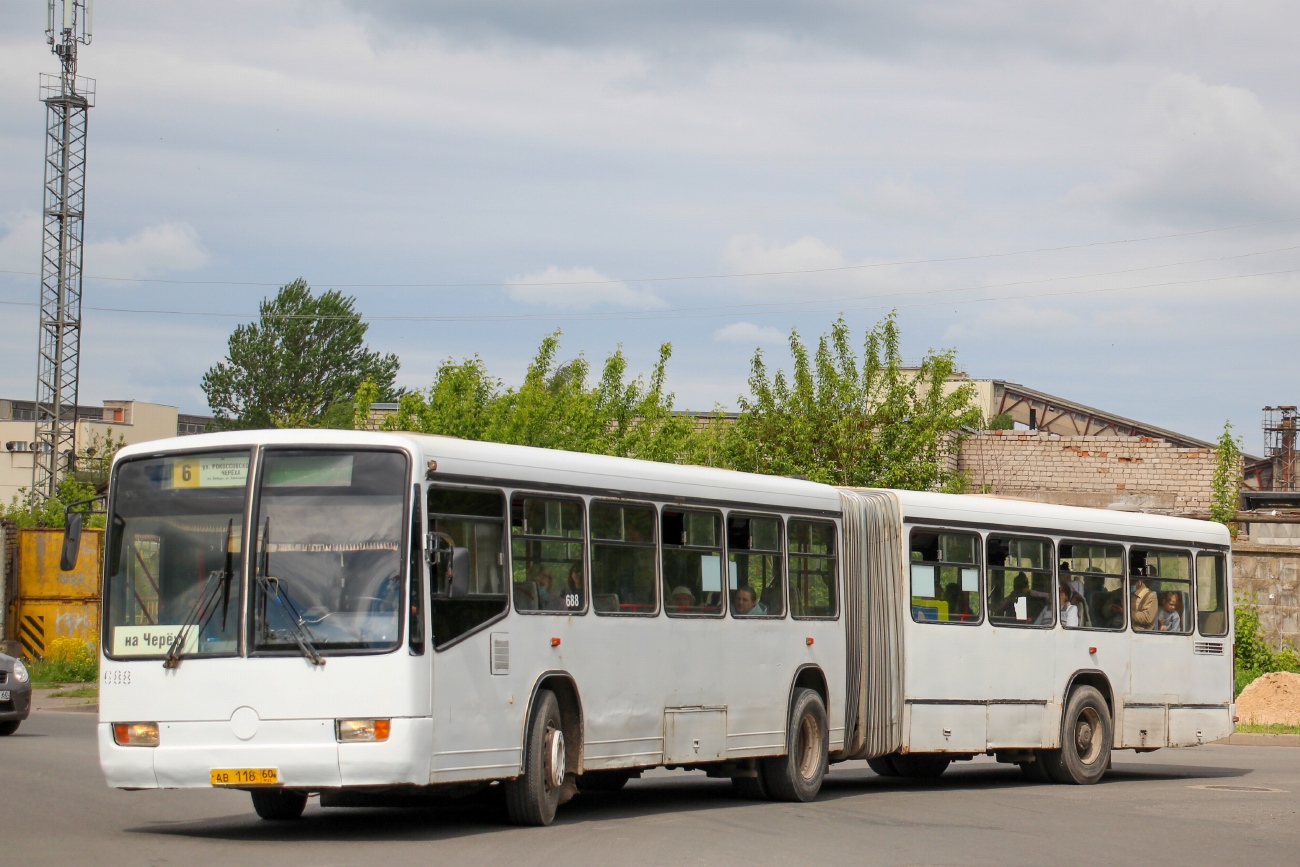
(304, 754)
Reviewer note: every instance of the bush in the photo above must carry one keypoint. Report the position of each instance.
(67, 660)
(1254, 655)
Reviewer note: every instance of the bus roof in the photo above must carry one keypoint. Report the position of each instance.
(468, 460)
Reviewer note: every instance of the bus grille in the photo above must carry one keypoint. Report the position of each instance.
(1211, 648)
(500, 653)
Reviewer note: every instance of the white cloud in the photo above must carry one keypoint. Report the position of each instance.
(578, 289)
(20, 243)
(748, 332)
(150, 252)
(749, 254)
(1217, 153)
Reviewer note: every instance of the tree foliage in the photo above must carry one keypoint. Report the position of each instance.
(299, 365)
(89, 475)
(1254, 655)
(1225, 490)
(852, 421)
(555, 407)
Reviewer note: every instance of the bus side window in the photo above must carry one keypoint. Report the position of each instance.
(623, 558)
(1020, 583)
(945, 577)
(1211, 594)
(692, 562)
(1160, 591)
(812, 570)
(546, 548)
(467, 526)
(1097, 570)
(754, 566)
(415, 607)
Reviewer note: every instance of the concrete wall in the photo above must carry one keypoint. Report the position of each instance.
(1136, 472)
(1269, 576)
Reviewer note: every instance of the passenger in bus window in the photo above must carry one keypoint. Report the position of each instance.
(1169, 619)
(683, 598)
(1011, 606)
(1144, 605)
(744, 602)
(545, 581)
(958, 605)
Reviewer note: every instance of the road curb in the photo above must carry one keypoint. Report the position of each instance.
(1252, 739)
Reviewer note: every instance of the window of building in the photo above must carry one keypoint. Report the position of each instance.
(945, 577)
(1160, 591)
(467, 585)
(1212, 593)
(546, 550)
(812, 570)
(1099, 570)
(1020, 583)
(692, 562)
(622, 558)
(754, 566)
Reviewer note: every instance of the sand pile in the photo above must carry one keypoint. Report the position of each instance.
(1273, 699)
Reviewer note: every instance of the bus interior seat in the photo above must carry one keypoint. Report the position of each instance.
(526, 596)
(605, 601)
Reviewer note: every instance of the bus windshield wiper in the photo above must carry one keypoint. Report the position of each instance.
(270, 588)
(206, 598)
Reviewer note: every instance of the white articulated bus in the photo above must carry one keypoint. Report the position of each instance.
(359, 614)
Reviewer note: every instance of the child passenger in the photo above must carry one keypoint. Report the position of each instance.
(1169, 619)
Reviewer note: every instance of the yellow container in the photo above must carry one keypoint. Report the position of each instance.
(51, 603)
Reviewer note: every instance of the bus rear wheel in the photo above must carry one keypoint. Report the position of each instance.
(798, 775)
(8, 727)
(532, 798)
(883, 766)
(279, 805)
(1086, 736)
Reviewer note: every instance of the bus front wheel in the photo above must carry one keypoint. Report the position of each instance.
(279, 805)
(798, 775)
(532, 798)
(1086, 736)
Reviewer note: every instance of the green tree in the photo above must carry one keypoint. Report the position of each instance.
(1226, 487)
(299, 365)
(555, 407)
(82, 482)
(1254, 656)
(847, 421)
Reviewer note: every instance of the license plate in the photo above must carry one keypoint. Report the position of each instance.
(4, 695)
(244, 776)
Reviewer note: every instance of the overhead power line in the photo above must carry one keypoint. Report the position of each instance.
(609, 281)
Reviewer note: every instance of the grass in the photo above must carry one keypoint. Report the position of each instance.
(1271, 729)
(79, 692)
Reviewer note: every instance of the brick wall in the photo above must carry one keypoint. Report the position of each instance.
(1140, 472)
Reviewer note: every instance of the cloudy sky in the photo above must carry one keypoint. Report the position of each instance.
(1097, 200)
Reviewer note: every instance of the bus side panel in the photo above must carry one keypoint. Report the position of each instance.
(478, 716)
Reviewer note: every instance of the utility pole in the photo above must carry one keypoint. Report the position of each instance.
(67, 100)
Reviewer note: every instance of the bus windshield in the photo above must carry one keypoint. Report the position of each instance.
(328, 559)
(173, 547)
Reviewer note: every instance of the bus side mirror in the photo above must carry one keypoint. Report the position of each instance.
(71, 541)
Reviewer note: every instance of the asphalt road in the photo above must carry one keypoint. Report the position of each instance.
(1216, 804)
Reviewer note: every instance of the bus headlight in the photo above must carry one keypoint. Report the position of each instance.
(20, 671)
(135, 734)
(356, 730)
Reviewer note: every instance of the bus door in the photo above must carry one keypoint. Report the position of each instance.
(1094, 636)
(1161, 612)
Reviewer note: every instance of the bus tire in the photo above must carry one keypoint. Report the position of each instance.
(532, 797)
(883, 766)
(279, 805)
(1086, 736)
(798, 775)
(603, 781)
(8, 727)
(920, 766)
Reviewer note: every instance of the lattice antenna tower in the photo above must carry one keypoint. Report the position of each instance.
(67, 99)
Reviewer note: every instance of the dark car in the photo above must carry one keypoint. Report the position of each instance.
(15, 694)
